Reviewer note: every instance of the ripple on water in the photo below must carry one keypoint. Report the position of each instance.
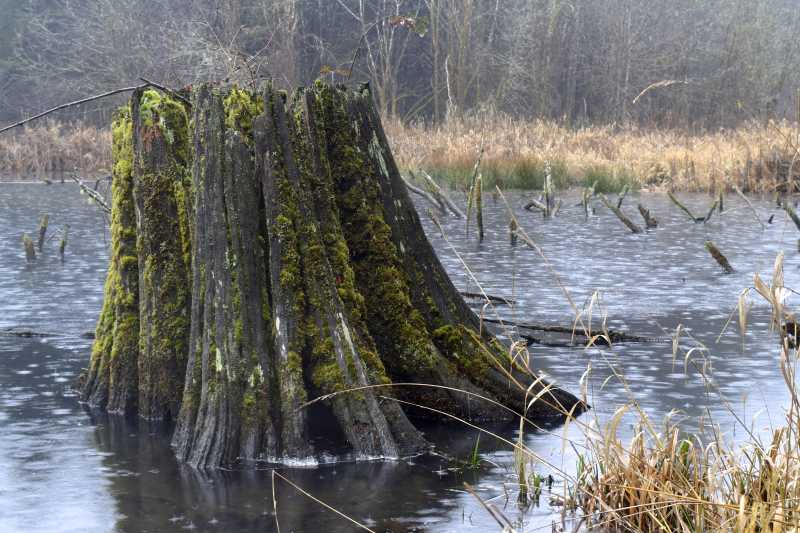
(88, 472)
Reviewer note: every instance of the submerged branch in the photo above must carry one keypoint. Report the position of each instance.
(488, 297)
(614, 336)
(635, 228)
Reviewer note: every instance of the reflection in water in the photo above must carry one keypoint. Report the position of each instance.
(64, 468)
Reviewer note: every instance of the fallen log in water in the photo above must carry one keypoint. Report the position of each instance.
(24, 333)
(719, 257)
(488, 298)
(285, 261)
(535, 203)
(424, 194)
(635, 228)
(649, 221)
(750, 205)
(622, 196)
(614, 336)
(442, 196)
(711, 210)
(29, 333)
(93, 194)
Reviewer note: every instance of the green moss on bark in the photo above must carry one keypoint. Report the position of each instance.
(113, 373)
(162, 155)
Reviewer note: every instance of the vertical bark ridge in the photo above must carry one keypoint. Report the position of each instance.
(340, 354)
(382, 268)
(207, 143)
(161, 155)
(285, 272)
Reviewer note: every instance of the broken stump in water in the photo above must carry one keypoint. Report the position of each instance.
(309, 276)
(62, 246)
(30, 250)
(42, 230)
(719, 257)
(649, 221)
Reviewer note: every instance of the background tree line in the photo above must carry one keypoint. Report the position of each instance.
(676, 63)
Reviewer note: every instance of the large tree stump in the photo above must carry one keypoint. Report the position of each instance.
(310, 276)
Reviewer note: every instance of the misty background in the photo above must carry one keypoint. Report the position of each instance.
(699, 64)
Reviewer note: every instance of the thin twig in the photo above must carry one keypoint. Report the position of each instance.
(495, 513)
(749, 204)
(275, 504)
(168, 91)
(70, 104)
(93, 194)
(317, 500)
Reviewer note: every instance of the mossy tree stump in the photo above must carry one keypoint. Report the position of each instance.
(310, 275)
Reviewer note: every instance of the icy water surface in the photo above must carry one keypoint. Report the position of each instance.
(64, 469)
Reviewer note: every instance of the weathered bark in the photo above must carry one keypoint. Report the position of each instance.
(311, 276)
(160, 158)
(112, 380)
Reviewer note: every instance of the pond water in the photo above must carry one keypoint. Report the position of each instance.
(63, 468)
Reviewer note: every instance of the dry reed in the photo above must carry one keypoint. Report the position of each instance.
(756, 157)
(669, 481)
(51, 147)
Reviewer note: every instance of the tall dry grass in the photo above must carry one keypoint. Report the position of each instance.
(51, 146)
(756, 157)
(663, 479)
(669, 481)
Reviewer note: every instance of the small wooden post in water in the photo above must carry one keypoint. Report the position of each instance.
(43, 230)
(63, 244)
(719, 258)
(512, 231)
(622, 196)
(30, 251)
(479, 206)
(586, 197)
(649, 221)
